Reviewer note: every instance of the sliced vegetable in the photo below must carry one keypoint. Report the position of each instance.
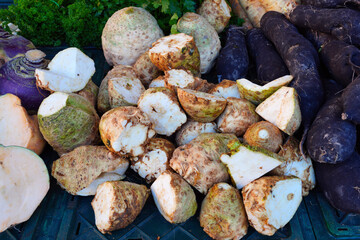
(78, 169)
(238, 115)
(246, 163)
(178, 78)
(126, 130)
(177, 51)
(233, 60)
(206, 38)
(67, 121)
(69, 71)
(282, 109)
(163, 109)
(223, 213)
(17, 127)
(17, 77)
(145, 69)
(265, 135)
(201, 107)
(127, 34)
(174, 197)
(191, 130)
(117, 204)
(24, 184)
(216, 12)
(226, 88)
(256, 93)
(271, 202)
(198, 162)
(158, 82)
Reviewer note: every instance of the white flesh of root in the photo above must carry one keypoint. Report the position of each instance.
(151, 165)
(225, 92)
(129, 89)
(23, 185)
(165, 114)
(131, 138)
(52, 104)
(180, 78)
(69, 71)
(245, 165)
(103, 211)
(104, 177)
(250, 86)
(158, 82)
(170, 44)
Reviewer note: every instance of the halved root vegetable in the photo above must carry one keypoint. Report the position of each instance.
(124, 91)
(177, 51)
(178, 78)
(282, 109)
(156, 159)
(126, 130)
(17, 127)
(198, 162)
(216, 12)
(24, 184)
(238, 115)
(163, 109)
(90, 92)
(206, 38)
(67, 121)
(117, 204)
(271, 202)
(265, 135)
(223, 213)
(247, 163)
(296, 165)
(158, 82)
(79, 168)
(69, 71)
(146, 70)
(226, 88)
(103, 102)
(191, 130)
(256, 93)
(174, 197)
(200, 106)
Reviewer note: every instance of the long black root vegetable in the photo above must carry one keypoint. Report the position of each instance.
(233, 60)
(351, 102)
(331, 139)
(331, 3)
(342, 23)
(340, 183)
(269, 65)
(302, 60)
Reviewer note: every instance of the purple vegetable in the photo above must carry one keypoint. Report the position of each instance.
(331, 3)
(351, 101)
(17, 77)
(12, 46)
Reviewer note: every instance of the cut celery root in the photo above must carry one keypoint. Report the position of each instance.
(69, 71)
(271, 202)
(157, 82)
(174, 197)
(24, 184)
(191, 130)
(79, 168)
(225, 89)
(117, 204)
(156, 159)
(282, 109)
(17, 127)
(246, 163)
(67, 121)
(126, 130)
(178, 78)
(163, 109)
(223, 213)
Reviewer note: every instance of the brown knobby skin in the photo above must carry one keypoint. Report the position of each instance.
(145, 69)
(198, 162)
(200, 106)
(121, 43)
(155, 160)
(271, 201)
(203, 85)
(191, 130)
(296, 165)
(264, 134)
(77, 169)
(126, 130)
(176, 51)
(174, 197)
(216, 12)
(90, 92)
(222, 214)
(17, 127)
(237, 117)
(117, 204)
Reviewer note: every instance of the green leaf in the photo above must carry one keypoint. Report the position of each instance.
(174, 18)
(165, 6)
(174, 29)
